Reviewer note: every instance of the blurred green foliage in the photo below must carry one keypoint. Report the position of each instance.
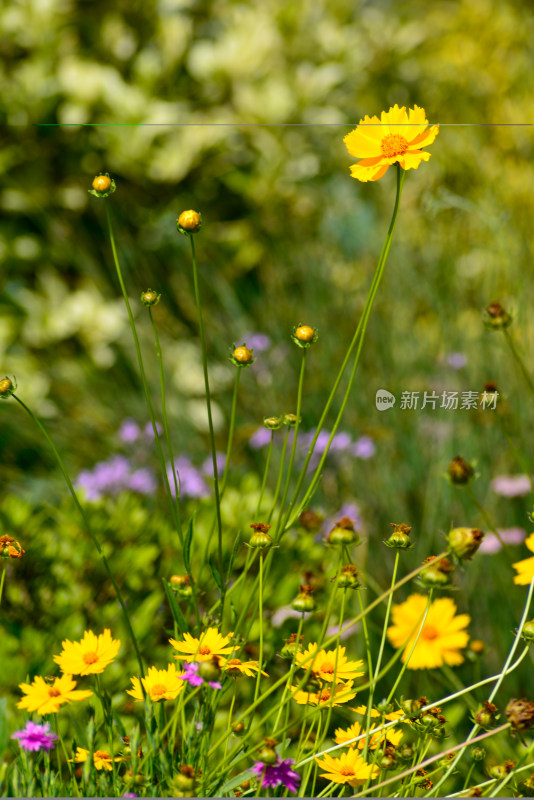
(244, 108)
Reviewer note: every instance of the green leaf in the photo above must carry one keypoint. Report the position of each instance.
(187, 544)
(235, 781)
(175, 608)
(3, 726)
(216, 574)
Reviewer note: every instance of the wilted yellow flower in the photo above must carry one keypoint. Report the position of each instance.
(525, 568)
(211, 643)
(342, 694)
(349, 768)
(325, 664)
(160, 684)
(394, 138)
(392, 736)
(101, 758)
(441, 638)
(47, 699)
(91, 655)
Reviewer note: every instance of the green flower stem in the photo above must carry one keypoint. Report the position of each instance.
(3, 578)
(260, 620)
(280, 525)
(208, 404)
(55, 726)
(434, 758)
(231, 431)
(280, 475)
(521, 364)
(265, 475)
(289, 680)
(496, 688)
(361, 329)
(327, 643)
(485, 515)
(88, 527)
(141, 369)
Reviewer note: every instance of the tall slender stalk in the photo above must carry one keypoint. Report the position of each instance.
(208, 404)
(88, 528)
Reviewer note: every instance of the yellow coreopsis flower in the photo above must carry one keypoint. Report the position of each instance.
(211, 643)
(46, 699)
(101, 758)
(325, 665)
(525, 568)
(235, 667)
(160, 684)
(348, 768)
(394, 138)
(391, 735)
(91, 655)
(441, 638)
(324, 698)
(374, 713)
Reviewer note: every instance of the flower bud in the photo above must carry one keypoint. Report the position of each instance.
(527, 632)
(273, 423)
(150, 298)
(476, 647)
(478, 753)
(437, 574)
(10, 548)
(460, 471)
(310, 520)
(520, 714)
(405, 752)
(241, 356)
(343, 533)
(413, 707)
(496, 318)
(292, 646)
(238, 729)
(464, 542)
(486, 715)
(348, 578)
(7, 387)
(304, 601)
(389, 758)
(400, 538)
(304, 335)
(181, 584)
(260, 539)
(267, 754)
(184, 783)
(290, 419)
(526, 787)
(500, 771)
(210, 670)
(103, 186)
(189, 222)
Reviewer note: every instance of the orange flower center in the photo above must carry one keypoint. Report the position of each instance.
(103, 755)
(54, 692)
(234, 662)
(393, 145)
(90, 658)
(324, 697)
(328, 667)
(204, 650)
(429, 632)
(347, 771)
(159, 689)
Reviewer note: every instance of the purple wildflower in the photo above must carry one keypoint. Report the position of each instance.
(364, 447)
(142, 481)
(279, 774)
(257, 342)
(129, 431)
(35, 737)
(511, 485)
(207, 466)
(190, 480)
(490, 543)
(261, 438)
(194, 679)
(149, 430)
(456, 360)
(114, 476)
(130, 794)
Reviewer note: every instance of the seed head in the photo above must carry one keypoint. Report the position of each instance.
(400, 538)
(486, 715)
(496, 318)
(460, 471)
(260, 539)
(464, 542)
(437, 574)
(343, 533)
(304, 601)
(520, 714)
(348, 578)
(310, 520)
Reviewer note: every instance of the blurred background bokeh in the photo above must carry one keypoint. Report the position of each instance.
(243, 110)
